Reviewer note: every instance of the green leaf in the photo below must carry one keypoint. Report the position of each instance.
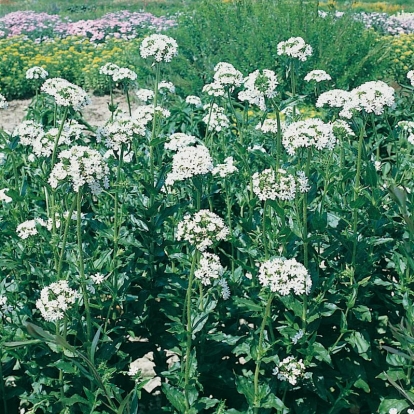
(65, 367)
(362, 313)
(360, 383)
(245, 386)
(321, 353)
(387, 404)
(361, 344)
(175, 397)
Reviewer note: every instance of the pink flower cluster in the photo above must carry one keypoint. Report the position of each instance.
(123, 24)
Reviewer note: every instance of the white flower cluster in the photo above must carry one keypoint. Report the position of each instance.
(36, 72)
(167, 86)
(203, 229)
(371, 97)
(117, 73)
(283, 275)
(188, 162)
(410, 76)
(214, 89)
(342, 129)
(295, 47)
(225, 169)
(162, 48)
(55, 300)
(308, 133)
(4, 197)
(179, 140)
(298, 335)
(216, 120)
(268, 185)
(120, 132)
(407, 127)
(258, 86)
(317, 75)
(268, 125)
(193, 100)
(29, 227)
(3, 102)
(28, 132)
(66, 93)
(144, 114)
(97, 278)
(81, 165)
(144, 95)
(226, 75)
(210, 268)
(290, 370)
(4, 307)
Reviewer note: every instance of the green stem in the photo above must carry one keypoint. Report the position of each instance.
(2, 387)
(278, 140)
(128, 101)
(196, 256)
(356, 192)
(305, 213)
(82, 270)
(260, 355)
(264, 234)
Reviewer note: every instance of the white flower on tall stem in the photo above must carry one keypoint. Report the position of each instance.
(308, 133)
(210, 268)
(161, 47)
(295, 47)
(65, 93)
(120, 132)
(55, 300)
(258, 86)
(203, 229)
(3, 102)
(215, 119)
(289, 369)
(317, 75)
(28, 132)
(27, 228)
(335, 98)
(268, 125)
(165, 86)
(194, 100)
(214, 89)
(227, 75)
(4, 197)
(179, 140)
(283, 275)
(268, 185)
(108, 69)
(81, 165)
(189, 162)
(342, 129)
(122, 74)
(36, 72)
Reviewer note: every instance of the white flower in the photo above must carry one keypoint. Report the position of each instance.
(121, 74)
(3, 102)
(393, 411)
(4, 307)
(407, 128)
(55, 300)
(268, 185)
(225, 290)
(215, 119)
(202, 229)
(298, 335)
(283, 275)
(144, 95)
(26, 229)
(97, 278)
(193, 100)
(225, 169)
(303, 182)
(335, 98)
(133, 370)
(28, 132)
(108, 69)
(65, 93)
(317, 76)
(258, 86)
(188, 162)
(179, 140)
(295, 47)
(410, 76)
(290, 370)
(308, 133)
(214, 89)
(81, 165)
(4, 197)
(210, 268)
(36, 72)
(162, 48)
(342, 129)
(227, 76)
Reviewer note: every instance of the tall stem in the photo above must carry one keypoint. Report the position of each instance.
(260, 355)
(264, 235)
(356, 192)
(82, 270)
(196, 256)
(278, 140)
(2, 387)
(305, 212)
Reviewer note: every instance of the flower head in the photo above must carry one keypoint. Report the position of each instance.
(36, 72)
(193, 100)
(410, 76)
(317, 76)
(65, 93)
(225, 169)
(3, 102)
(283, 275)
(290, 370)
(55, 300)
(4, 197)
(162, 48)
(215, 119)
(295, 47)
(179, 140)
(227, 75)
(210, 268)
(202, 229)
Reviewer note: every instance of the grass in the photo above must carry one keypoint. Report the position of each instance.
(389, 6)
